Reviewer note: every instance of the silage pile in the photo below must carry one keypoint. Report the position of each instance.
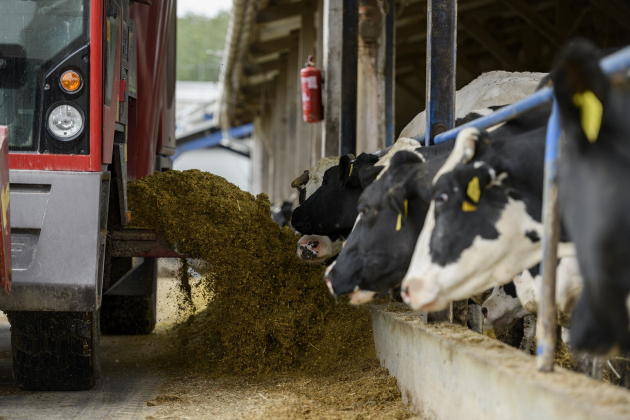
(268, 311)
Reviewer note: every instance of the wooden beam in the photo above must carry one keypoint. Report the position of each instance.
(419, 8)
(283, 11)
(494, 47)
(469, 65)
(535, 19)
(412, 88)
(417, 49)
(252, 68)
(407, 31)
(614, 9)
(270, 47)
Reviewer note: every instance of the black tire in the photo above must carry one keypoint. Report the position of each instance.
(128, 315)
(55, 351)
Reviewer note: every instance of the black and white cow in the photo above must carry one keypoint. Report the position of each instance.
(332, 208)
(316, 248)
(391, 215)
(594, 175)
(484, 224)
(503, 307)
(568, 288)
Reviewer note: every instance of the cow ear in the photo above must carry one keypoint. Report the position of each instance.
(473, 182)
(368, 174)
(581, 88)
(344, 166)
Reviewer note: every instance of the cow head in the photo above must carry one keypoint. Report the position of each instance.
(593, 179)
(483, 225)
(391, 214)
(331, 209)
(503, 307)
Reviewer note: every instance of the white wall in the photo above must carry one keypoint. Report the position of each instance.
(235, 168)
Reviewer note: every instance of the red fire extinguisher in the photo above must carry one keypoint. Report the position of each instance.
(311, 92)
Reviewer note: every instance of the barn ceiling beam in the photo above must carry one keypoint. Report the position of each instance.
(414, 89)
(614, 9)
(253, 68)
(469, 65)
(537, 21)
(272, 46)
(494, 47)
(283, 11)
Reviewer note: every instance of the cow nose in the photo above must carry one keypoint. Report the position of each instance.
(484, 311)
(404, 294)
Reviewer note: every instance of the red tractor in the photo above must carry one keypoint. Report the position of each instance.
(87, 92)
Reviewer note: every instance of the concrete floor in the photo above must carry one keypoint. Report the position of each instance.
(120, 393)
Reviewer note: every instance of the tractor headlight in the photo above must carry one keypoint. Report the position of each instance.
(65, 122)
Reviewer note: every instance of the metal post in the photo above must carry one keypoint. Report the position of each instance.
(546, 340)
(441, 60)
(440, 98)
(349, 61)
(390, 72)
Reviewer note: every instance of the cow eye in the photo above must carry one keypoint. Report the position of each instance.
(324, 181)
(365, 210)
(441, 199)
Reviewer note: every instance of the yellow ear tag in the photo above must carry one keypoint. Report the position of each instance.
(473, 191)
(399, 222)
(351, 167)
(406, 206)
(591, 113)
(466, 206)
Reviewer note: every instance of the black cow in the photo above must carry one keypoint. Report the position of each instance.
(594, 178)
(391, 215)
(332, 208)
(484, 224)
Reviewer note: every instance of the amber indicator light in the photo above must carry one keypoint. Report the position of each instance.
(71, 81)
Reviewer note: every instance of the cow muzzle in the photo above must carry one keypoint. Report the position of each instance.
(421, 294)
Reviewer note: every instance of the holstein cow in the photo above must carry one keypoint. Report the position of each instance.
(316, 248)
(503, 307)
(369, 250)
(568, 288)
(391, 215)
(486, 91)
(594, 175)
(484, 224)
(520, 297)
(331, 209)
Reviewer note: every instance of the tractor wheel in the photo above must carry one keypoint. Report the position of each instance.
(55, 351)
(128, 315)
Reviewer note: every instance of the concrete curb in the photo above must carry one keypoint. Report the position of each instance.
(449, 372)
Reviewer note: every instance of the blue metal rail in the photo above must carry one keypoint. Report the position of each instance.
(614, 63)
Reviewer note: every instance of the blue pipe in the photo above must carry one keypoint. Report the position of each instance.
(614, 63)
(506, 113)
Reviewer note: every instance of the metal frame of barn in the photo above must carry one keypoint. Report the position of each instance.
(371, 53)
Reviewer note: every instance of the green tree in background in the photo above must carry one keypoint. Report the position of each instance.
(200, 41)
